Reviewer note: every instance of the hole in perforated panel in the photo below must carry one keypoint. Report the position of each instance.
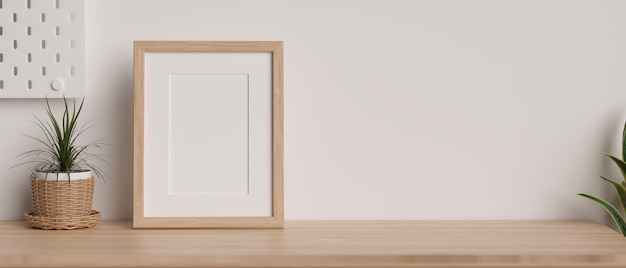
(72, 17)
(72, 44)
(72, 71)
(43, 17)
(1, 31)
(15, 71)
(43, 44)
(28, 4)
(30, 84)
(58, 57)
(30, 57)
(1, 84)
(14, 17)
(58, 31)
(43, 70)
(57, 4)
(1, 57)
(29, 31)
(15, 44)
(0, 3)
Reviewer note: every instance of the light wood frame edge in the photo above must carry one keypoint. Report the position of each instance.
(277, 218)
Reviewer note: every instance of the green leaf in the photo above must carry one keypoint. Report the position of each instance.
(621, 192)
(624, 142)
(620, 164)
(617, 217)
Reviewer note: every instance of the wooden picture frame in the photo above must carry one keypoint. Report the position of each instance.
(157, 133)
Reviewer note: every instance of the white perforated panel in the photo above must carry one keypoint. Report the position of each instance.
(42, 48)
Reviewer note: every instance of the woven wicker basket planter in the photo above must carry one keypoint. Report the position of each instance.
(62, 203)
(62, 223)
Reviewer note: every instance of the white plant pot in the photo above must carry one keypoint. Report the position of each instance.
(62, 176)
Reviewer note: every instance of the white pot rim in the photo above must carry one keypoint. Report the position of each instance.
(41, 175)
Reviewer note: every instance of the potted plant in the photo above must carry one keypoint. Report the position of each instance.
(620, 189)
(62, 180)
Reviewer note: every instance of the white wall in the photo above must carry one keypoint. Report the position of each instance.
(393, 109)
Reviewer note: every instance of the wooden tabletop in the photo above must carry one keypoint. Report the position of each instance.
(321, 244)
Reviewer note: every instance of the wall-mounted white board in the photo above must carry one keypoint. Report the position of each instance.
(42, 51)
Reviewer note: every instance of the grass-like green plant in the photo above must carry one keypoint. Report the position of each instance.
(620, 188)
(60, 153)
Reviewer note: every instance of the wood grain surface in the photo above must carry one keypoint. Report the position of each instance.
(321, 244)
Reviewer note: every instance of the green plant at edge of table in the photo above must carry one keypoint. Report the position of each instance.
(620, 188)
(60, 153)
